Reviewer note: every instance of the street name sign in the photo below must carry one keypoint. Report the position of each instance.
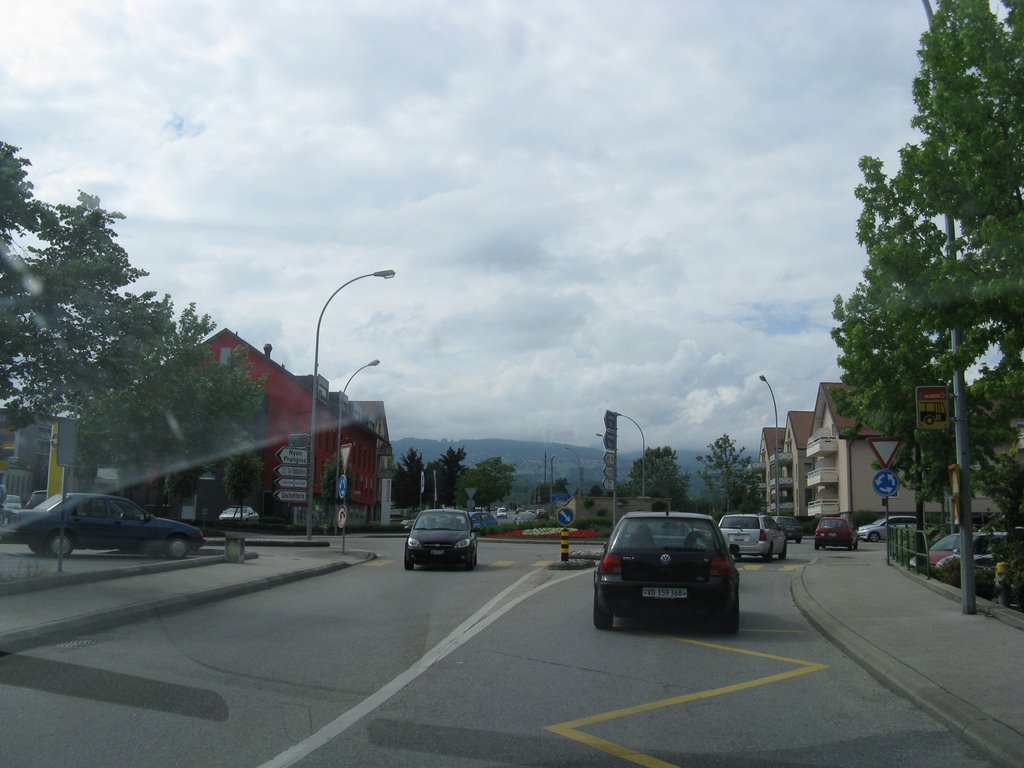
(288, 455)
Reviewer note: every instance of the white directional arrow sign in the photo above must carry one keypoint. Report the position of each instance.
(288, 455)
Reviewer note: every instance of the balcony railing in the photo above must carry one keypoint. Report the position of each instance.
(823, 507)
(823, 476)
(824, 445)
(783, 457)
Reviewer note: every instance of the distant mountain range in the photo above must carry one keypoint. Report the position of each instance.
(528, 458)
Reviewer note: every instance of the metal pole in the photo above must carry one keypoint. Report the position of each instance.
(387, 274)
(643, 456)
(337, 453)
(775, 408)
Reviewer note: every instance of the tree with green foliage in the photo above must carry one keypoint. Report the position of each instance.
(449, 469)
(894, 331)
(492, 479)
(405, 484)
(242, 474)
(72, 328)
(178, 412)
(727, 473)
(659, 477)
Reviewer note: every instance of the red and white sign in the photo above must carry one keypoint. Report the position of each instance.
(885, 448)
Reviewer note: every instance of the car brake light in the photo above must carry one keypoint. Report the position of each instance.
(762, 535)
(719, 566)
(610, 563)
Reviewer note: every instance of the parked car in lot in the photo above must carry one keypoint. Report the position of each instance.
(525, 516)
(242, 514)
(835, 532)
(755, 535)
(669, 565)
(483, 519)
(950, 545)
(37, 498)
(791, 527)
(876, 531)
(97, 521)
(441, 537)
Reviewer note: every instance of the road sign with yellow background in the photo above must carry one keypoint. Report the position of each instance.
(932, 410)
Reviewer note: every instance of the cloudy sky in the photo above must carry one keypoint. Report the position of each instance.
(638, 206)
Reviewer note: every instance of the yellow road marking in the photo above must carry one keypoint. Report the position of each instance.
(502, 563)
(792, 567)
(751, 567)
(378, 562)
(570, 728)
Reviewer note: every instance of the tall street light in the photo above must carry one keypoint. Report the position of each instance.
(387, 274)
(643, 456)
(579, 467)
(762, 378)
(341, 405)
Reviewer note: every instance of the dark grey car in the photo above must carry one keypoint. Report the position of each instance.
(97, 521)
(794, 530)
(441, 537)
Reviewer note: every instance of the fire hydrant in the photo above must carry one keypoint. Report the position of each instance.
(1001, 586)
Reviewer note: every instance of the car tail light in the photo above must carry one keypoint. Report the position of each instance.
(762, 535)
(610, 563)
(719, 566)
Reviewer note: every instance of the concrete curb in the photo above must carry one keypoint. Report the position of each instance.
(30, 637)
(996, 741)
(35, 584)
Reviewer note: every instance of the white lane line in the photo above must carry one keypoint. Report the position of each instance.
(475, 624)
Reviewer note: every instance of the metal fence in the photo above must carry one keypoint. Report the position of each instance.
(906, 544)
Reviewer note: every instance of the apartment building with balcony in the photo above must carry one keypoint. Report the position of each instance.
(840, 469)
(790, 465)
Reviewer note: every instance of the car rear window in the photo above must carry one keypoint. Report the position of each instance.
(666, 533)
(740, 521)
(832, 524)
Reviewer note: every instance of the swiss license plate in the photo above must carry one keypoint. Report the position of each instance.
(665, 593)
(737, 537)
(437, 551)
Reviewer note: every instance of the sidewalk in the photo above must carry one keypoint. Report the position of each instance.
(910, 634)
(52, 608)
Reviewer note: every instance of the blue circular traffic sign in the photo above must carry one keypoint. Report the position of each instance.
(885, 482)
(342, 486)
(566, 516)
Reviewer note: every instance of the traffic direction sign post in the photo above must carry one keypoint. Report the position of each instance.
(886, 483)
(299, 456)
(885, 449)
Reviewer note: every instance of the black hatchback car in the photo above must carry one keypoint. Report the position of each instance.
(441, 537)
(794, 530)
(97, 521)
(670, 565)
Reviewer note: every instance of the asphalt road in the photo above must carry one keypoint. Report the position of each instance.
(376, 666)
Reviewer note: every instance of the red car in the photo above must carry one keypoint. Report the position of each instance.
(835, 532)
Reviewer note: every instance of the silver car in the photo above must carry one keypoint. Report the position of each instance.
(876, 530)
(755, 535)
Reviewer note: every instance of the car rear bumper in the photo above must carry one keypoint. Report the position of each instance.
(702, 601)
(427, 555)
(833, 541)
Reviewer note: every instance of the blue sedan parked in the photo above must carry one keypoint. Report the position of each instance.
(97, 521)
(483, 519)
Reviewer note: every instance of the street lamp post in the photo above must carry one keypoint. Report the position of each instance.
(337, 453)
(774, 408)
(643, 456)
(579, 467)
(387, 274)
